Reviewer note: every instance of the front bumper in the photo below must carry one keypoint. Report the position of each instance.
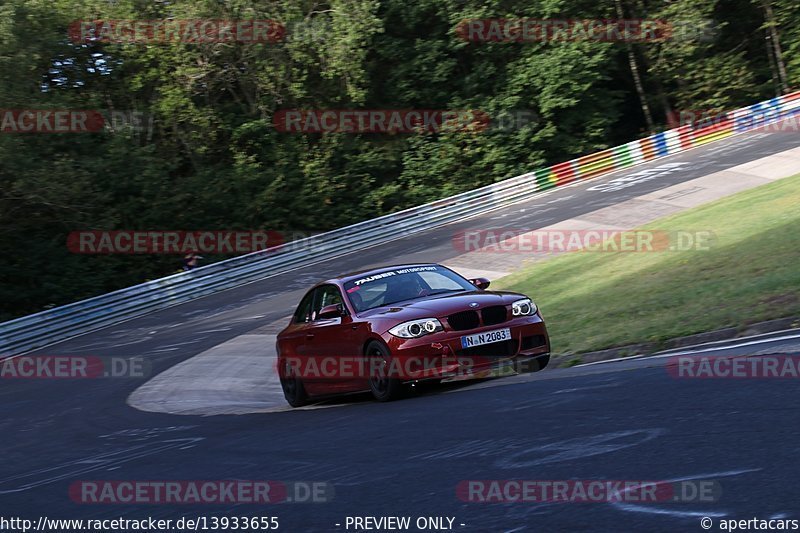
(441, 356)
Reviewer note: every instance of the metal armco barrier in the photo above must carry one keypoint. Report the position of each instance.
(33, 331)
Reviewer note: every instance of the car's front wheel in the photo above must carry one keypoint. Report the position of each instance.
(293, 389)
(383, 386)
(533, 364)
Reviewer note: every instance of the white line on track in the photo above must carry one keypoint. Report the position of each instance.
(622, 506)
(747, 341)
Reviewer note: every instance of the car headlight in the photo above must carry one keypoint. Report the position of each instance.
(523, 307)
(416, 328)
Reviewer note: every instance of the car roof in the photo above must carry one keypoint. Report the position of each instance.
(361, 273)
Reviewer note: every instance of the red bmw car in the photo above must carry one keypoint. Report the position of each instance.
(380, 329)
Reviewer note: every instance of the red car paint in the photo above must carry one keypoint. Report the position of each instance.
(326, 355)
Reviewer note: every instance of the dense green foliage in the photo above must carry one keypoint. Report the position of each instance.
(210, 157)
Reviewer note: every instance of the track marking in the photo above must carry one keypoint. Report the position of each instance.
(71, 469)
(578, 448)
(633, 508)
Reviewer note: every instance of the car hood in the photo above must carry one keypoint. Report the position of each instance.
(441, 305)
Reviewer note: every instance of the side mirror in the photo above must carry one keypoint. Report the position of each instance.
(331, 311)
(481, 283)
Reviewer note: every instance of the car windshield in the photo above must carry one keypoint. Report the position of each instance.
(395, 286)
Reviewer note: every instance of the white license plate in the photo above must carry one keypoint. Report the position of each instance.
(487, 337)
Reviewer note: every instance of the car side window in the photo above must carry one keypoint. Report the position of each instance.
(303, 312)
(326, 295)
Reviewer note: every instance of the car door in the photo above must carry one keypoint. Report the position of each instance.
(295, 339)
(333, 342)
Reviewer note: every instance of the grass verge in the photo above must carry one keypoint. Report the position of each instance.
(751, 273)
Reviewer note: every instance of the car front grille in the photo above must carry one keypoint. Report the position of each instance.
(496, 314)
(463, 320)
(495, 349)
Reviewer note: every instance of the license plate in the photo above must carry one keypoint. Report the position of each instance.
(487, 337)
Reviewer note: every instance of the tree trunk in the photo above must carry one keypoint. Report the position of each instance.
(637, 79)
(774, 39)
(776, 83)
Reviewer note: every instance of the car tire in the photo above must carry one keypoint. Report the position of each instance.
(383, 388)
(533, 365)
(293, 389)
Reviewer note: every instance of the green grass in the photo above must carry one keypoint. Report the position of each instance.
(593, 301)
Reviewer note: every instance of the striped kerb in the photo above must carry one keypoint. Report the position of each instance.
(664, 143)
(648, 148)
(544, 178)
(564, 173)
(592, 165)
(660, 144)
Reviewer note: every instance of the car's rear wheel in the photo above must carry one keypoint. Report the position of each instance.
(293, 389)
(383, 387)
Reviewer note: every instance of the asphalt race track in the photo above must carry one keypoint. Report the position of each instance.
(615, 421)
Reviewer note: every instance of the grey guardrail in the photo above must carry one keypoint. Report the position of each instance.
(37, 330)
